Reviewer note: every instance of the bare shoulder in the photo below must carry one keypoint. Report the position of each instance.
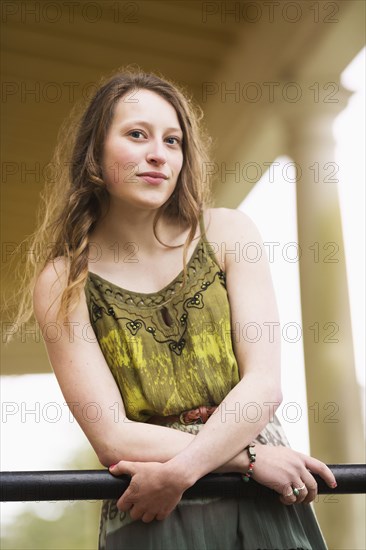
(48, 289)
(52, 275)
(228, 227)
(230, 220)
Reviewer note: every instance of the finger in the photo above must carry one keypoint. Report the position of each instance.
(288, 496)
(123, 467)
(129, 497)
(148, 517)
(124, 505)
(311, 486)
(318, 467)
(302, 491)
(136, 513)
(286, 501)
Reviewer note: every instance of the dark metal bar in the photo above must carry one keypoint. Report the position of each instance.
(100, 484)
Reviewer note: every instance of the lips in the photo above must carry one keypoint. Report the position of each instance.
(159, 175)
(153, 180)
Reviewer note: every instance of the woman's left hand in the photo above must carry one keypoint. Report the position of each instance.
(153, 492)
(283, 469)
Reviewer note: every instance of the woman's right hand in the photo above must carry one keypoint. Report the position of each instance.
(283, 469)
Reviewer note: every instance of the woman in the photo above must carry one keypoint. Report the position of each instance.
(160, 352)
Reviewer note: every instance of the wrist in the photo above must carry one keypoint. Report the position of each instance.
(244, 460)
(251, 454)
(181, 473)
(238, 464)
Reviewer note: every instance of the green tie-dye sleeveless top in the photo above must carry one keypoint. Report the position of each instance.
(171, 350)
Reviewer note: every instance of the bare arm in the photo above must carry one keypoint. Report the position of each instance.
(232, 426)
(84, 378)
(252, 304)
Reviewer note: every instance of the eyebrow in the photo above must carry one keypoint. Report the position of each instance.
(129, 122)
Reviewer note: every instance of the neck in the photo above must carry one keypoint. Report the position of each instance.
(126, 225)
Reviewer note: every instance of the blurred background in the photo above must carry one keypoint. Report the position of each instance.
(282, 87)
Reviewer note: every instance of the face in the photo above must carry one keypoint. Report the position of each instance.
(145, 136)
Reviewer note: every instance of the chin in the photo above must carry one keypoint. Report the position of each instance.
(149, 205)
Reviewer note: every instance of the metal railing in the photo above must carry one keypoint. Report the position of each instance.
(101, 484)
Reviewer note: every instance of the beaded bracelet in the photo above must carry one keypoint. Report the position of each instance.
(252, 455)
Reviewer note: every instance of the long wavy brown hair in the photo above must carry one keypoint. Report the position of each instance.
(71, 208)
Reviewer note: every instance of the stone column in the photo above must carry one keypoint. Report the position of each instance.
(334, 404)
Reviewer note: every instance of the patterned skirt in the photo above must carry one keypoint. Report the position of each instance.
(217, 523)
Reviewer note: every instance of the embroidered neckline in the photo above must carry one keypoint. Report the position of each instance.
(173, 337)
(163, 292)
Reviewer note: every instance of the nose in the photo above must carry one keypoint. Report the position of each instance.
(156, 153)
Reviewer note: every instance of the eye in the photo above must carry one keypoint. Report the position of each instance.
(178, 141)
(135, 132)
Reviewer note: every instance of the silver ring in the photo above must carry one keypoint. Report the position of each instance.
(295, 491)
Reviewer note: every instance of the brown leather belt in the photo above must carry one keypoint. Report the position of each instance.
(200, 415)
